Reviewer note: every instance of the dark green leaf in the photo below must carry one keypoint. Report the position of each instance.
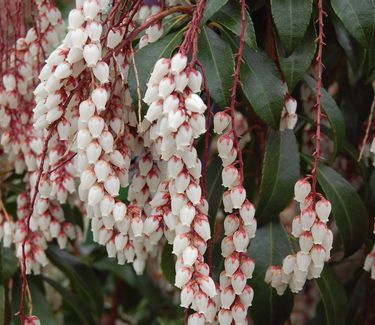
(146, 58)
(168, 264)
(333, 296)
(219, 68)
(8, 263)
(41, 307)
(75, 302)
(291, 18)
(82, 277)
(269, 247)
(263, 87)
(230, 17)
(297, 63)
(280, 172)
(333, 113)
(358, 18)
(2, 304)
(212, 7)
(163, 321)
(347, 208)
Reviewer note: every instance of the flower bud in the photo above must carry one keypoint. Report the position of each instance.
(90, 9)
(102, 170)
(306, 242)
(75, 19)
(166, 87)
(301, 190)
(238, 196)
(221, 122)
(189, 255)
(94, 29)
(194, 193)
(303, 261)
(86, 110)
(323, 209)
(96, 126)
(183, 276)
(101, 72)
(99, 97)
(91, 54)
(119, 211)
(112, 185)
(83, 139)
(106, 141)
(195, 104)
(114, 38)
(63, 70)
(178, 63)
(95, 195)
(307, 218)
(238, 281)
(231, 264)
(195, 80)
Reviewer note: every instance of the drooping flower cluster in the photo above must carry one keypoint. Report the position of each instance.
(175, 118)
(154, 32)
(315, 242)
(239, 228)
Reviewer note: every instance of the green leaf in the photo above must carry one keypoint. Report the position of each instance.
(269, 247)
(82, 277)
(347, 208)
(230, 17)
(2, 304)
(280, 172)
(333, 113)
(168, 264)
(262, 86)
(291, 18)
(214, 189)
(74, 301)
(298, 62)
(8, 263)
(146, 58)
(358, 18)
(333, 296)
(163, 321)
(41, 307)
(219, 68)
(212, 7)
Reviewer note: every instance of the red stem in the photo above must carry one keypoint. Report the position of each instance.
(319, 86)
(236, 81)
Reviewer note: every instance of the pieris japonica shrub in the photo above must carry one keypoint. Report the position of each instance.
(187, 162)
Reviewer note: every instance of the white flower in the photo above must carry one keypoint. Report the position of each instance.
(99, 97)
(91, 54)
(75, 19)
(323, 209)
(90, 9)
(221, 122)
(96, 126)
(301, 190)
(101, 72)
(115, 36)
(195, 104)
(195, 81)
(178, 63)
(95, 195)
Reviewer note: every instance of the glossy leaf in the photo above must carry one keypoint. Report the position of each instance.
(269, 247)
(280, 172)
(347, 208)
(333, 297)
(74, 301)
(358, 18)
(291, 18)
(215, 189)
(333, 113)
(230, 17)
(219, 68)
(168, 264)
(8, 263)
(262, 86)
(41, 306)
(298, 62)
(212, 7)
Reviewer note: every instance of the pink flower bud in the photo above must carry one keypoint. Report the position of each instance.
(155, 111)
(194, 193)
(63, 70)
(95, 195)
(32, 320)
(75, 19)
(198, 123)
(238, 281)
(318, 255)
(327, 241)
(301, 189)
(303, 261)
(177, 202)
(151, 94)
(107, 205)
(96, 126)
(318, 231)
(181, 81)
(75, 54)
(307, 218)
(180, 243)
(184, 136)
(86, 110)
(306, 241)
(225, 316)
(187, 214)
(99, 97)
(106, 141)
(91, 54)
(224, 145)
(112, 185)
(178, 63)
(247, 266)
(231, 264)
(196, 319)
(119, 211)
(323, 209)
(291, 105)
(175, 166)
(227, 297)
(207, 285)
(189, 156)
(93, 152)
(247, 295)
(94, 29)
(101, 72)
(195, 104)
(90, 9)
(231, 224)
(239, 313)
(229, 176)
(154, 32)
(166, 87)
(183, 276)
(195, 80)
(227, 201)
(102, 170)
(202, 227)
(288, 264)
(115, 36)
(171, 103)
(221, 122)
(296, 226)
(161, 69)
(238, 196)
(187, 296)
(247, 212)
(189, 255)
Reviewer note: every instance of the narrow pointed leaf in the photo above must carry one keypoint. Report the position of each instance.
(219, 68)
(230, 17)
(333, 113)
(262, 86)
(212, 7)
(280, 172)
(358, 18)
(348, 208)
(269, 247)
(333, 297)
(291, 18)
(298, 62)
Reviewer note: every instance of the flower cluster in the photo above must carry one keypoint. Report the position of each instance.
(239, 228)
(154, 32)
(315, 242)
(175, 118)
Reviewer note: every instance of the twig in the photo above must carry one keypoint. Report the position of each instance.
(368, 127)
